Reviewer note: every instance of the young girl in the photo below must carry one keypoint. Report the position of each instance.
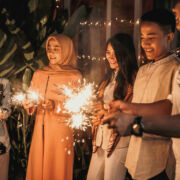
(109, 149)
(51, 152)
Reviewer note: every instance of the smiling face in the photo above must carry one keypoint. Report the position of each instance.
(154, 42)
(176, 11)
(111, 57)
(54, 52)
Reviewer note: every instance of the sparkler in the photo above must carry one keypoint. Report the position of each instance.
(78, 105)
(79, 121)
(20, 97)
(33, 96)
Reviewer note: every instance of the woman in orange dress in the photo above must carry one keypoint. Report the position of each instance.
(51, 154)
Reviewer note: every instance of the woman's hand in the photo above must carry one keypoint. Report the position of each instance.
(48, 105)
(98, 117)
(98, 106)
(29, 106)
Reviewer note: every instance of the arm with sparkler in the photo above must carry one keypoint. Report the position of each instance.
(29, 99)
(98, 106)
(99, 112)
(30, 102)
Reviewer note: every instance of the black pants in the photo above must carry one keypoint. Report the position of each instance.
(161, 176)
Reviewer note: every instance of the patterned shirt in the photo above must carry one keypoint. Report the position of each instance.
(6, 108)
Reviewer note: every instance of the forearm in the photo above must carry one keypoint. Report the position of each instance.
(151, 109)
(162, 125)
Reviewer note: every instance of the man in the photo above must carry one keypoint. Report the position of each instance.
(147, 155)
(161, 125)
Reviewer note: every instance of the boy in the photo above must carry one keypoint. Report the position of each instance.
(147, 155)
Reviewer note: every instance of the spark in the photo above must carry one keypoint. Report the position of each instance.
(58, 109)
(69, 152)
(18, 98)
(78, 104)
(33, 96)
(78, 121)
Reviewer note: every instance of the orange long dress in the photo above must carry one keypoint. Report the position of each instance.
(51, 153)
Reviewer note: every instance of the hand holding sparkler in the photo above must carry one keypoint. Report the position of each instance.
(97, 118)
(29, 106)
(29, 100)
(97, 106)
(48, 105)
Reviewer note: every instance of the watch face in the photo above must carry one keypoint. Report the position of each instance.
(136, 128)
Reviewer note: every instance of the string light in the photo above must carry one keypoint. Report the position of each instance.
(101, 24)
(138, 22)
(91, 58)
(105, 23)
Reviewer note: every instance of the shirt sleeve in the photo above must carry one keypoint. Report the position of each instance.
(174, 97)
(6, 101)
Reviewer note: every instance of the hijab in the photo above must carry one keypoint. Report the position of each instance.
(68, 61)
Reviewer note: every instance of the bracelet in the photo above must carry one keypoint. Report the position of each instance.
(138, 127)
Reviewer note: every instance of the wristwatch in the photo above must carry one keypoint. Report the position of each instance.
(138, 127)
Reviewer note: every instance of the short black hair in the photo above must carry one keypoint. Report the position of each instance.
(163, 17)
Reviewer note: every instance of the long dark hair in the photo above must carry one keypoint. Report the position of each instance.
(125, 54)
